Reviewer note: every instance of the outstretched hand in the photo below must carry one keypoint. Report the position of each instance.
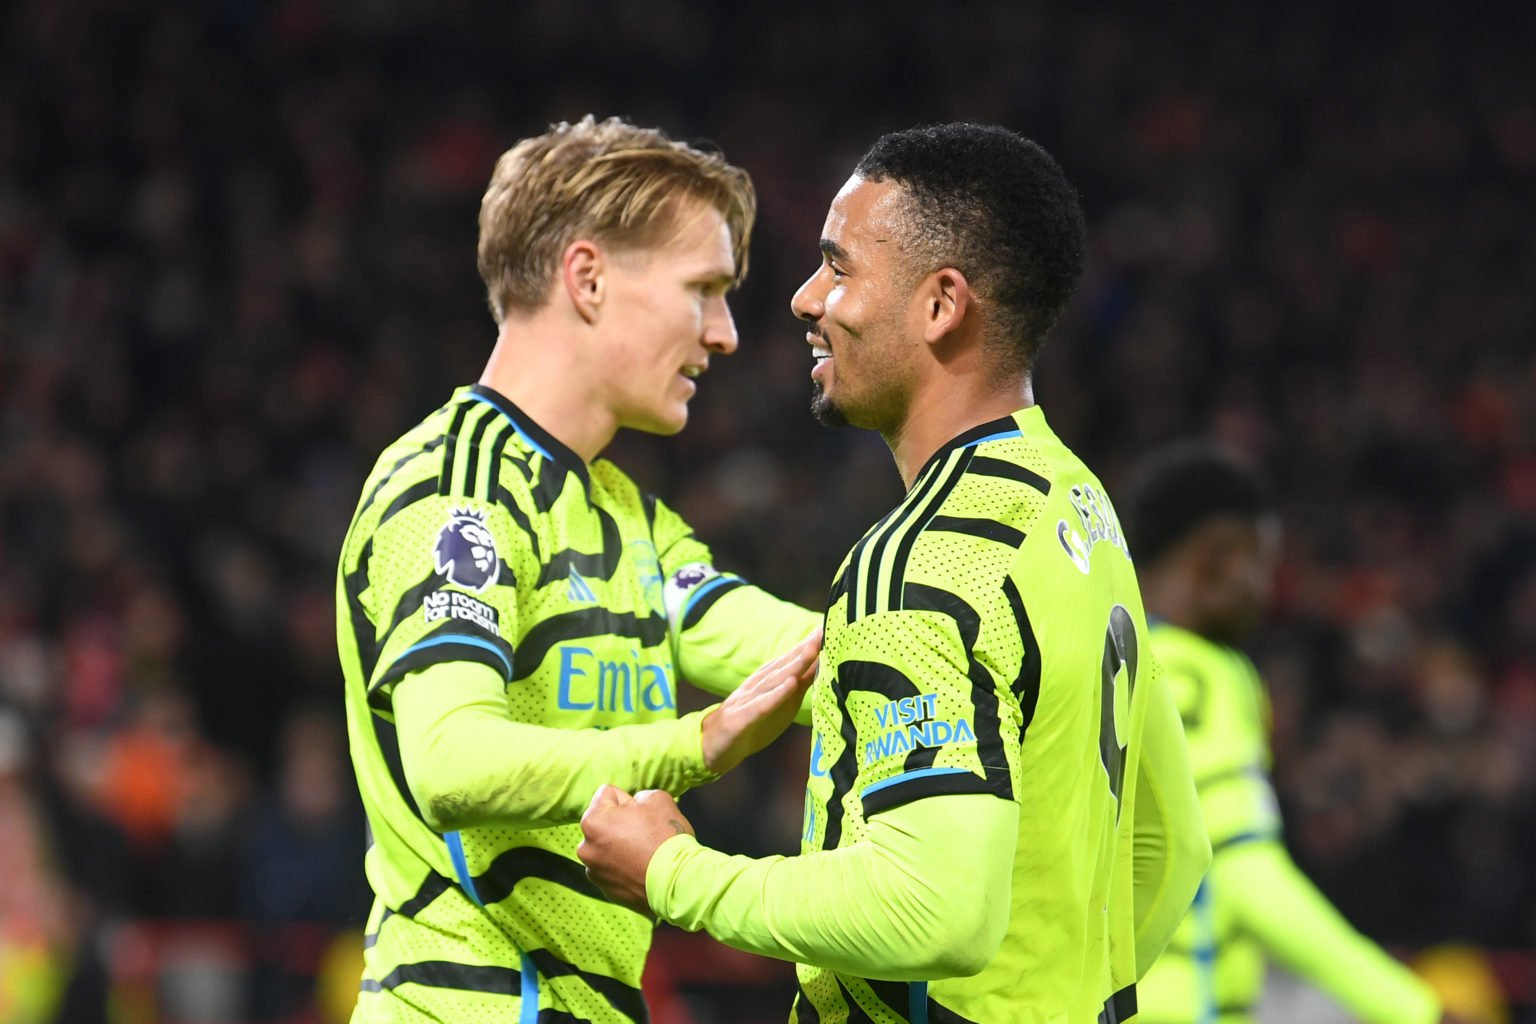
(622, 834)
(759, 711)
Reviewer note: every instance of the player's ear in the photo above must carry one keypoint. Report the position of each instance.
(945, 298)
(584, 274)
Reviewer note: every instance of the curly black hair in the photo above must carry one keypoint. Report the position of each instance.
(995, 206)
(1179, 488)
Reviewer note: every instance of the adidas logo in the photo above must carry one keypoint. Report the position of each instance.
(578, 589)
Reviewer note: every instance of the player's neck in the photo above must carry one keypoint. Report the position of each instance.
(539, 370)
(944, 411)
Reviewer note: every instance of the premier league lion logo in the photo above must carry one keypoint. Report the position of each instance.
(466, 552)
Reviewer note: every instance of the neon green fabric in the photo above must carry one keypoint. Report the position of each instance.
(1255, 902)
(468, 764)
(506, 644)
(1281, 908)
(984, 640)
(892, 908)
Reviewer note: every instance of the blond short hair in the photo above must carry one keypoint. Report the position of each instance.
(610, 181)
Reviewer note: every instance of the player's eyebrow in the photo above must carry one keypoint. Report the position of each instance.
(834, 251)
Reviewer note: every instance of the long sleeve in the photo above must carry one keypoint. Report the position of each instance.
(1170, 849)
(919, 918)
(468, 764)
(1297, 925)
(715, 652)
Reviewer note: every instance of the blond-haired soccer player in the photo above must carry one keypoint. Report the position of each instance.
(1000, 822)
(502, 621)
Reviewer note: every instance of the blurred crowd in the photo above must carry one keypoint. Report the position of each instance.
(237, 259)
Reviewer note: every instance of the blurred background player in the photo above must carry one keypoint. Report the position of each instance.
(991, 741)
(1206, 539)
(501, 618)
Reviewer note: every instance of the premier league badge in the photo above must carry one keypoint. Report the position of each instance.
(466, 552)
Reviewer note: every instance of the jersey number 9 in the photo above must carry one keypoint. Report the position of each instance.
(1115, 697)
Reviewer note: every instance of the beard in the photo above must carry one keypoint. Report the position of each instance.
(824, 409)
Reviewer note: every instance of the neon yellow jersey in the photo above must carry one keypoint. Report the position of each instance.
(1213, 970)
(481, 539)
(987, 636)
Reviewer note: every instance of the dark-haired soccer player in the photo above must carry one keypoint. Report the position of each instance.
(1000, 822)
(502, 593)
(1206, 538)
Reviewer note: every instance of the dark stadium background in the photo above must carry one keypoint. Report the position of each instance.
(236, 259)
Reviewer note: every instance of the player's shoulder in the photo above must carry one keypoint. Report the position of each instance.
(618, 493)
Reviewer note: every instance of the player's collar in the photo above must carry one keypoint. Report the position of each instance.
(1013, 425)
(540, 439)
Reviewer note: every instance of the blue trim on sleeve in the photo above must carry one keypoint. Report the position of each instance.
(1204, 954)
(529, 993)
(701, 590)
(917, 1002)
(461, 866)
(1000, 435)
(459, 638)
(1242, 838)
(921, 773)
(520, 432)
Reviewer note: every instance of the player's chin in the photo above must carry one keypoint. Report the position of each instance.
(665, 422)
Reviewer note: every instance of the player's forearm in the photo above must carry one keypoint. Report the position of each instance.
(891, 907)
(468, 764)
(1170, 850)
(1304, 933)
(735, 634)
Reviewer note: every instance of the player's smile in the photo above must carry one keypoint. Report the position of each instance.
(821, 352)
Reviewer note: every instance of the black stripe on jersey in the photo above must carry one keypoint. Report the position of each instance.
(535, 435)
(406, 498)
(501, 981)
(521, 862)
(469, 455)
(941, 1014)
(987, 529)
(581, 624)
(988, 466)
(854, 566)
(430, 890)
(989, 741)
(1026, 687)
(951, 476)
(699, 608)
(948, 784)
(451, 435)
(920, 597)
(600, 566)
(1119, 1007)
(843, 773)
(447, 643)
(871, 677)
(803, 1011)
(893, 994)
(856, 1013)
(839, 588)
(362, 625)
(372, 938)
(865, 564)
(648, 504)
(549, 485)
(505, 499)
(623, 998)
(426, 449)
(389, 746)
(548, 1016)
(411, 601)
